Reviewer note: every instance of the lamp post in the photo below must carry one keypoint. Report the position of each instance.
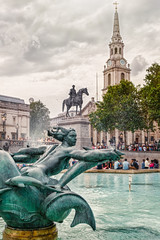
(4, 118)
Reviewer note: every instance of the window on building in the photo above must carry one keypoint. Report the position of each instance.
(115, 51)
(112, 51)
(109, 79)
(137, 140)
(120, 51)
(122, 76)
(14, 120)
(14, 135)
(2, 135)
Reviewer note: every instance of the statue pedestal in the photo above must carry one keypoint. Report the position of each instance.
(81, 126)
(48, 233)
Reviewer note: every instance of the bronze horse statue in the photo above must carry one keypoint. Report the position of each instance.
(77, 101)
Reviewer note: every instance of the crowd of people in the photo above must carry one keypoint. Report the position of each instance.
(126, 165)
(131, 147)
(142, 148)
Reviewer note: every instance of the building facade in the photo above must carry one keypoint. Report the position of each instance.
(15, 118)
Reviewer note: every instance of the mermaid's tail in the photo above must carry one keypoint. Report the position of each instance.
(57, 207)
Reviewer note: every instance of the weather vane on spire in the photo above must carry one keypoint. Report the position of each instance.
(116, 3)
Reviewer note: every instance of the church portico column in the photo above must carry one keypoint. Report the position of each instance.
(129, 138)
(95, 137)
(133, 138)
(108, 138)
(117, 137)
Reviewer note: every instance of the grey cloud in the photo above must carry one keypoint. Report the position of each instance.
(138, 65)
(14, 67)
(44, 40)
(66, 41)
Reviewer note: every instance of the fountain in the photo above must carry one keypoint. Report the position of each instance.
(31, 200)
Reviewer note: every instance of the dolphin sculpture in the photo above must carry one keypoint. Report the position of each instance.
(54, 211)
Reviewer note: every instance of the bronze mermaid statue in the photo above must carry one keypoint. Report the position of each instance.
(30, 198)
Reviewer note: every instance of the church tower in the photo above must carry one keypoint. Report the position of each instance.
(116, 67)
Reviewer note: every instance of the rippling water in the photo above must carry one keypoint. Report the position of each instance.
(119, 214)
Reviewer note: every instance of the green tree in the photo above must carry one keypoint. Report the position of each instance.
(39, 119)
(120, 109)
(150, 95)
(143, 93)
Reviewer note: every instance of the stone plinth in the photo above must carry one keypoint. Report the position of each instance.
(81, 126)
(48, 233)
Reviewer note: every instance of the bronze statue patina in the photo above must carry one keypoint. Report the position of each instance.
(29, 154)
(31, 199)
(72, 94)
(75, 99)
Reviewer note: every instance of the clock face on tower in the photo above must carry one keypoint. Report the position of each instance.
(122, 62)
(109, 63)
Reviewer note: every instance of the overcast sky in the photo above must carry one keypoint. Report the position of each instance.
(46, 46)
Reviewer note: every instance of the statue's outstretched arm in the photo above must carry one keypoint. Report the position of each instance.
(88, 159)
(94, 155)
(74, 171)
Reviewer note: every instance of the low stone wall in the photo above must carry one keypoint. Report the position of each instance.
(141, 155)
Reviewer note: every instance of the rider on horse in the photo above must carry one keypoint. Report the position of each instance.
(72, 94)
(75, 99)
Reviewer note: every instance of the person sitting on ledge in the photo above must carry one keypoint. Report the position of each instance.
(156, 164)
(143, 164)
(151, 165)
(117, 165)
(99, 166)
(125, 164)
(134, 164)
(147, 163)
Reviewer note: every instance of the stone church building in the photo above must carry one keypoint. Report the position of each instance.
(116, 69)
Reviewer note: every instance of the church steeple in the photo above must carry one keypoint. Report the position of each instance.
(116, 30)
(117, 67)
(116, 45)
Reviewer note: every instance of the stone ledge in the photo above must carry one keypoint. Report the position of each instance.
(120, 171)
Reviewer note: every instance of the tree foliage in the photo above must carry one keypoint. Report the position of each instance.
(120, 109)
(39, 119)
(150, 94)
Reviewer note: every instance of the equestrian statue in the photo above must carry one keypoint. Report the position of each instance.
(75, 99)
